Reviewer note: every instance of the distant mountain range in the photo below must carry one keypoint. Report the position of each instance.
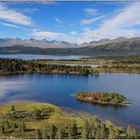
(35, 43)
(104, 47)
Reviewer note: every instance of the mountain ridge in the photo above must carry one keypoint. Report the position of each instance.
(115, 47)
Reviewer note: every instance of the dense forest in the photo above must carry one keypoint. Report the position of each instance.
(107, 64)
(102, 98)
(11, 66)
(45, 121)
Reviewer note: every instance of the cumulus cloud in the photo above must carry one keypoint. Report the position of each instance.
(13, 16)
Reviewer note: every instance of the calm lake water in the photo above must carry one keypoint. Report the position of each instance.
(57, 89)
(34, 56)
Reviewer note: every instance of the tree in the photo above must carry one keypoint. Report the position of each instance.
(85, 132)
(53, 130)
(74, 129)
(22, 127)
(131, 132)
(102, 132)
(45, 134)
(36, 114)
(13, 108)
(111, 133)
(89, 128)
(2, 130)
(59, 133)
(38, 134)
(69, 132)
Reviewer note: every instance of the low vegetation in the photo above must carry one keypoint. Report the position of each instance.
(102, 98)
(31, 120)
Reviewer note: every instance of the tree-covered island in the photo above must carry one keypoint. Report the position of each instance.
(102, 98)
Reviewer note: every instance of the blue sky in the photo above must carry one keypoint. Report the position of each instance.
(75, 22)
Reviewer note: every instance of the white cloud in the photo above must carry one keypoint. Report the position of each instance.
(128, 16)
(13, 16)
(120, 24)
(72, 37)
(45, 34)
(58, 20)
(69, 37)
(91, 20)
(90, 11)
(9, 25)
(29, 10)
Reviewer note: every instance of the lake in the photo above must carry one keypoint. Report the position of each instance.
(57, 89)
(36, 56)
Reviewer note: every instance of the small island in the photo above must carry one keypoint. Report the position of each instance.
(106, 98)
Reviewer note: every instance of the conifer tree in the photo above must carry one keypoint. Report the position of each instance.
(2, 130)
(53, 130)
(38, 134)
(131, 132)
(13, 108)
(74, 129)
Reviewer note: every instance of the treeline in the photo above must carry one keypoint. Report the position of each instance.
(119, 68)
(121, 59)
(13, 125)
(127, 60)
(22, 66)
(102, 97)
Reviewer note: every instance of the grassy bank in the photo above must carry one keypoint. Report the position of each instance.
(42, 120)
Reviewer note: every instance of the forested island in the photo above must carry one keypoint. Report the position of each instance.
(105, 98)
(31, 120)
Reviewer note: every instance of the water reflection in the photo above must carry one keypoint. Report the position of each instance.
(57, 89)
(7, 87)
(103, 105)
